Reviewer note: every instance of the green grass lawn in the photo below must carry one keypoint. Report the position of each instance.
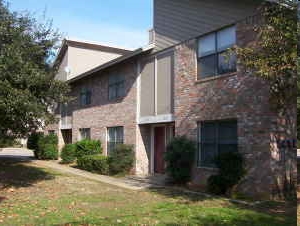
(34, 196)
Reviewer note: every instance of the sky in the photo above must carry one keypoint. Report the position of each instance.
(121, 23)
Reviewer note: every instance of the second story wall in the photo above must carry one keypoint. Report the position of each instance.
(62, 74)
(179, 20)
(156, 87)
(81, 59)
(104, 109)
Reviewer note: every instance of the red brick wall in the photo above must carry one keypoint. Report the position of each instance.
(103, 113)
(238, 96)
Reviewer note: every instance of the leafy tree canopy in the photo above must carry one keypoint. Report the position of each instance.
(275, 55)
(28, 90)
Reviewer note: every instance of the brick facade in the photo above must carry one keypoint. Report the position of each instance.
(239, 96)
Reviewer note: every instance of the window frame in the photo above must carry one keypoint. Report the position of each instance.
(116, 141)
(218, 52)
(115, 86)
(217, 142)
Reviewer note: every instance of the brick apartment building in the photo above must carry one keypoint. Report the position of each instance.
(180, 84)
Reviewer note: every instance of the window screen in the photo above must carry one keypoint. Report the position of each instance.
(115, 137)
(85, 97)
(213, 55)
(215, 138)
(116, 86)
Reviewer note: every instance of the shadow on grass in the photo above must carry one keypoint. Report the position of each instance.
(16, 173)
(267, 213)
(173, 193)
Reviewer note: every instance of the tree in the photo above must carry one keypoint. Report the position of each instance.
(28, 90)
(274, 57)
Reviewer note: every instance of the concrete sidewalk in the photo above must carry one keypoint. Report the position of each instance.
(16, 153)
(131, 183)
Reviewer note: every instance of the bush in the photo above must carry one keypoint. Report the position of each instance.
(88, 147)
(47, 147)
(68, 153)
(6, 141)
(121, 159)
(179, 158)
(231, 171)
(32, 142)
(94, 163)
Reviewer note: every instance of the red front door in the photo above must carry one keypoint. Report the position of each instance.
(159, 149)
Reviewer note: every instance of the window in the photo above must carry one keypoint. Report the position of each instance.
(85, 97)
(85, 133)
(215, 138)
(116, 86)
(115, 137)
(213, 55)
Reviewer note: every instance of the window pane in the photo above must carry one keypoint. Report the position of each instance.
(82, 99)
(224, 148)
(111, 134)
(207, 66)
(208, 133)
(88, 97)
(112, 92)
(207, 45)
(112, 79)
(227, 62)
(208, 154)
(119, 135)
(228, 132)
(119, 78)
(120, 90)
(226, 38)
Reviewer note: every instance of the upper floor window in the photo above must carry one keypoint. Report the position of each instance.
(213, 56)
(214, 138)
(116, 86)
(85, 97)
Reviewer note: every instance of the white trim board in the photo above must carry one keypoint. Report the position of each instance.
(156, 119)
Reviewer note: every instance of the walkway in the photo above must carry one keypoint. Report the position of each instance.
(130, 182)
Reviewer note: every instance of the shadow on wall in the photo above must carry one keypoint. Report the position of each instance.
(97, 83)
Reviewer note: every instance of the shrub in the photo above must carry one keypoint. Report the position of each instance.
(179, 158)
(88, 147)
(121, 159)
(68, 153)
(50, 152)
(32, 142)
(47, 147)
(231, 171)
(94, 163)
(6, 141)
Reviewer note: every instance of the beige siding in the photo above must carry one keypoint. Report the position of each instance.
(81, 60)
(165, 67)
(62, 74)
(148, 88)
(179, 20)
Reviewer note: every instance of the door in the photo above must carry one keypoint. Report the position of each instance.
(67, 136)
(159, 149)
